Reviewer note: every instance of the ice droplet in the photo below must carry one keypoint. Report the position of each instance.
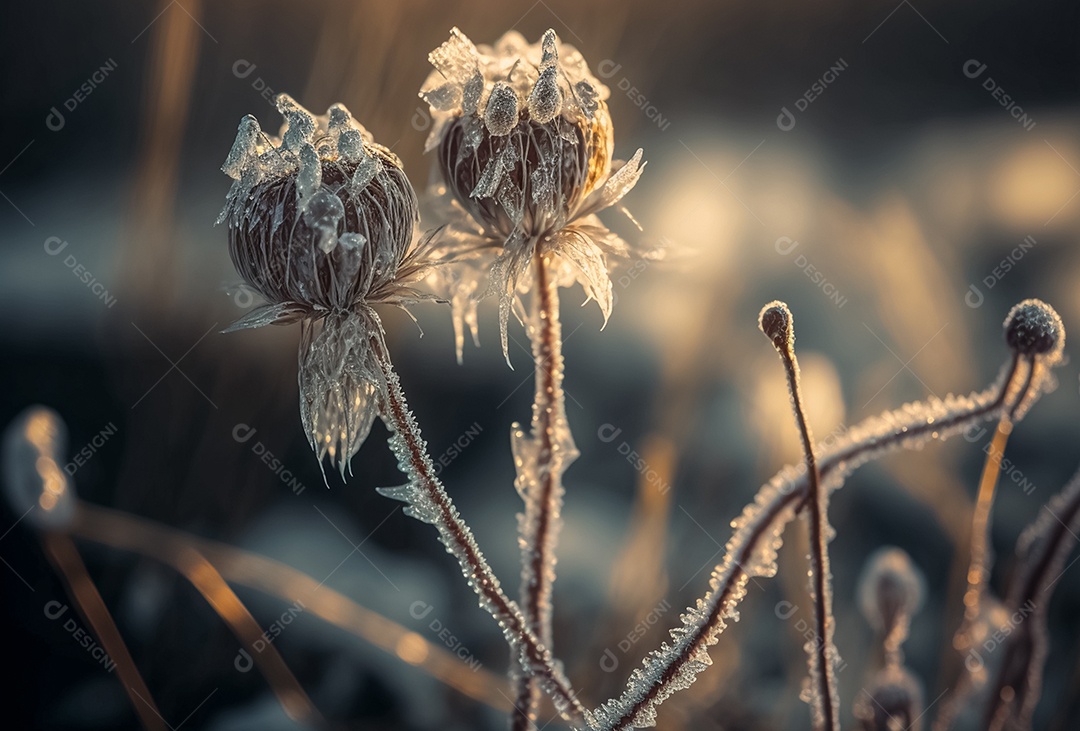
(299, 123)
(545, 101)
(352, 241)
(322, 213)
(501, 114)
(365, 172)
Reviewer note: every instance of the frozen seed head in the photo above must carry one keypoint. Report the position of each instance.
(321, 222)
(34, 482)
(776, 322)
(890, 590)
(320, 216)
(1034, 328)
(524, 146)
(522, 130)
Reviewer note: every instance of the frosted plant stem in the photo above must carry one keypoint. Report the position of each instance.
(776, 322)
(752, 549)
(428, 501)
(551, 449)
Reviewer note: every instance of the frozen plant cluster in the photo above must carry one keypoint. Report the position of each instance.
(323, 223)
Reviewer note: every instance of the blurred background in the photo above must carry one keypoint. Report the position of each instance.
(900, 174)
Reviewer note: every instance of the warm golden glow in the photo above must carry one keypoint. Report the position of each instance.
(41, 431)
(412, 648)
(603, 140)
(1033, 184)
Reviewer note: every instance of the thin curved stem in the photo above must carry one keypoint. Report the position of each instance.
(778, 326)
(541, 466)
(980, 523)
(674, 667)
(188, 560)
(65, 557)
(143, 537)
(429, 502)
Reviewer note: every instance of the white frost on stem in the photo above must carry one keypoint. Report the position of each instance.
(778, 325)
(751, 551)
(541, 457)
(426, 500)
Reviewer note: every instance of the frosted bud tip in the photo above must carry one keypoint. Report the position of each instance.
(890, 589)
(34, 482)
(776, 322)
(1034, 328)
(501, 114)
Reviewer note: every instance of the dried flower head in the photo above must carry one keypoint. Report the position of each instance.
(1033, 327)
(524, 145)
(321, 223)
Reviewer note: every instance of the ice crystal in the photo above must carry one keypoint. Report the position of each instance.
(525, 143)
(338, 384)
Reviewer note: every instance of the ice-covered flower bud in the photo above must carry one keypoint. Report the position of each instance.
(321, 217)
(35, 484)
(522, 130)
(1032, 328)
(775, 321)
(321, 222)
(890, 592)
(892, 702)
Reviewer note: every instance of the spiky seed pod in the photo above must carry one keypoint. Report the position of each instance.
(321, 223)
(523, 131)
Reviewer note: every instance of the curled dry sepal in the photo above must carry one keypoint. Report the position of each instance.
(752, 550)
(321, 224)
(524, 144)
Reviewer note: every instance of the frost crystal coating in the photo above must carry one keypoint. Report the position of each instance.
(524, 144)
(321, 224)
